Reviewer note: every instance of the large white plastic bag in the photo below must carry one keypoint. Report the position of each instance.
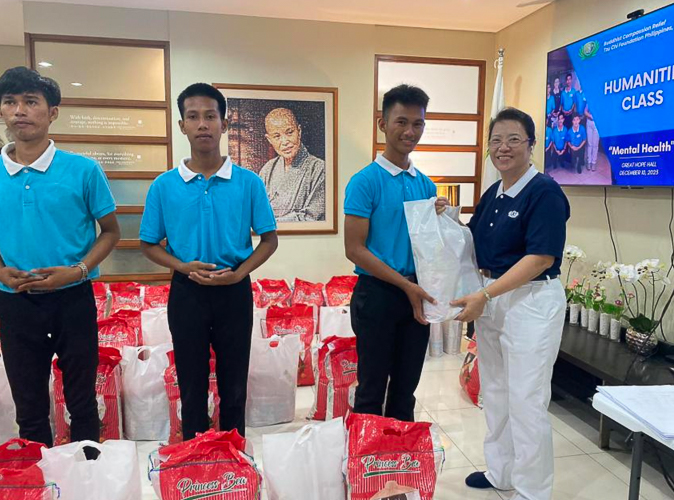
(335, 321)
(272, 380)
(114, 475)
(154, 325)
(146, 405)
(8, 427)
(259, 322)
(444, 257)
(307, 464)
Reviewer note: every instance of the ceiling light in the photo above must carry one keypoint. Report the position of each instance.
(45, 64)
(76, 84)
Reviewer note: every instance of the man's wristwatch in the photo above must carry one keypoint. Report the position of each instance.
(85, 270)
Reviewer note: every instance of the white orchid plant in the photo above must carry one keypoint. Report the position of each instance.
(572, 253)
(643, 286)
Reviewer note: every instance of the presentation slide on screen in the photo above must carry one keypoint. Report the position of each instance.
(610, 106)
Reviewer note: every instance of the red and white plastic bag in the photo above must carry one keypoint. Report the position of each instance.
(155, 327)
(175, 405)
(26, 484)
(126, 296)
(260, 322)
(102, 296)
(8, 427)
(155, 296)
(108, 397)
(307, 464)
(336, 371)
(118, 330)
(469, 375)
(268, 293)
(114, 475)
(381, 449)
(272, 380)
(335, 321)
(339, 289)
(146, 406)
(213, 465)
(20, 453)
(300, 320)
(307, 293)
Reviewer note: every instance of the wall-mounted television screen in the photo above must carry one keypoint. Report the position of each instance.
(610, 106)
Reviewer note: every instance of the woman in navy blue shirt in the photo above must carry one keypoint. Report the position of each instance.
(519, 228)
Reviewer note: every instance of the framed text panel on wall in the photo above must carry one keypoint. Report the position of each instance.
(115, 109)
(450, 151)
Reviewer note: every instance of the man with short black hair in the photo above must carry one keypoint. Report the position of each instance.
(50, 202)
(387, 305)
(205, 210)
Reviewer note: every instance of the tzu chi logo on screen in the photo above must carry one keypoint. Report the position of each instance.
(589, 50)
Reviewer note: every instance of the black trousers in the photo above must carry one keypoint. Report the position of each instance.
(578, 159)
(221, 317)
(391, 347)
(34, 327)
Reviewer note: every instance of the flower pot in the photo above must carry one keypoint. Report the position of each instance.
(641, 343)
(574, 312)
(616, 327)
(592, 320)
(604, 324)
(584, 317)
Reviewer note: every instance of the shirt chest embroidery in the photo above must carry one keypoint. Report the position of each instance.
(513, 214)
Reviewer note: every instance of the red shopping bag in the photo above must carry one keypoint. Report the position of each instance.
(126, 296)
(119, 329)
(383, 449)
(469, 375)
(307, 293)
(336, 371)
(339, 290)
(101, 296)
(108, 397)
(300, 320)
(20, 453)
(213, 465)
(26, 484)
(156, 296)
(268, 293)
(175, 404)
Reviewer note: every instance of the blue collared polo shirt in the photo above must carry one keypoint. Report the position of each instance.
(576, 137)
(550, 105)
(528, 219)
(49, 209)
(208, 220)
(377, 193)
(548, 137)
(559, 137)
(581, 103)
(568, 99)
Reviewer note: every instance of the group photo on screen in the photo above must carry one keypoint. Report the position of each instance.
(573, 149)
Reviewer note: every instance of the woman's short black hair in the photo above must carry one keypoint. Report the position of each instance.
(516, 115)
(22, 80)
(407, 95)
(202, 90)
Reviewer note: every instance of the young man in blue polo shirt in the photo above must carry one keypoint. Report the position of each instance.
(568, 101)
(205, 210)
(50, 202)
(577, 139)
(559, 141)
(387, 305)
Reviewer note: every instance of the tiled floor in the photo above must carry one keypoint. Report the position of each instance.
(582, 470)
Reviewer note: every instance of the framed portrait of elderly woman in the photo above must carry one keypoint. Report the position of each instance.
(288, 136)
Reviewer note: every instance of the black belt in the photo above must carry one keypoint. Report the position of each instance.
(492, 275)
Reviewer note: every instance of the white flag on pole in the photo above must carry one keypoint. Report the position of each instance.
(490, 174)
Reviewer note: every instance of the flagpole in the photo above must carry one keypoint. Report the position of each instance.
(490, 174)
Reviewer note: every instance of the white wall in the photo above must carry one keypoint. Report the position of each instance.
(640, 217)
(234, 49)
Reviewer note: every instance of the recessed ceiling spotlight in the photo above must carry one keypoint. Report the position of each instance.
(76, 84)
(45, 64)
